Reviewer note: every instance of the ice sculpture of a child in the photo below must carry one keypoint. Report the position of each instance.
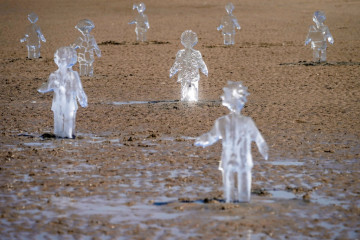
(141, 21)
(33, 36)
(86, 45)
(228, 25)
(67, 88)
(318, 36)
(237, 132)
(188, 62)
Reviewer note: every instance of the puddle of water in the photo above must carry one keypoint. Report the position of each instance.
(280, 194)
(329, 201)
(143, 102)
(40, 144)
(286, 163)
(117, 210)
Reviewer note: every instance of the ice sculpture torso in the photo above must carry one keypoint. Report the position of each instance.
(319, 34)
(187, 64)
(236, 132)
(141, 21)
(86, 46)
(32, 37)
(67, 88)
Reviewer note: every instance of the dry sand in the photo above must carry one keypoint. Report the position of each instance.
(133, 172)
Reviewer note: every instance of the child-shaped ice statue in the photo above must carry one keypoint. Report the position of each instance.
(67, 88)
(228, 24)
(86, 45)
(188, 62)
(318, 35)
(33, 36)
(141, 21)
(237, 132)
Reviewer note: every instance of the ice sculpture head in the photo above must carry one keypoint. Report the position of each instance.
(140, 7)
(229, 7)
(189, 39)
(85, 26)
(234, 96)
(33, 17)
(65, 57)
(319, 17)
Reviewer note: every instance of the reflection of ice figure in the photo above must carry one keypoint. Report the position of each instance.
(237, 132)
(318, 35)
(67, 88)
(33, 36)
(188, 62)
(141, 21)
(228, 24)
(86, 45)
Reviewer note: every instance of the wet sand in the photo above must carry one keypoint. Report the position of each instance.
(133, 173)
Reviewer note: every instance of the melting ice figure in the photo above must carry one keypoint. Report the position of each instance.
(188, 62)
(33, 36)
(318, 36)
(86, 45)
(237, 132)
(141, 21)
(67, 88)
(228, 25)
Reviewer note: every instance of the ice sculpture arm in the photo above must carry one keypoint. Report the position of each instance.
(175, 68)
(220, 27)
(202, 65)
(77, 43)
(24, 39)
(209, 138)
(132, 22)
(49, 85)
(308, 39)
(329, 36)
(80, 94)
(95, 47)
(235, 21)
(262, 146)
(40, 34)
(147, 22)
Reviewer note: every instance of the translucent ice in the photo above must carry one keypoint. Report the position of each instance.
(237, 132)
(141, 21)
(228, 25)
(67, 88)
(317, 36)
(86, 45)
(188, 62)
(33, 36)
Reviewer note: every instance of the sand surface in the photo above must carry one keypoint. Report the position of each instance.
(133, 172)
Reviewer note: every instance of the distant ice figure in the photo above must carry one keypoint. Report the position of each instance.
(188, 62)
(228, 25)
(237, 132)
(33, 36)
(318, 35)
(67, 88)
(86, 45)
(141, 21)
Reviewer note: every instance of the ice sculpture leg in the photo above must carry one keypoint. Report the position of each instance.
(244, 185)
(140, 34)
(58, 124)
(227, 39)
(189, 91)
(323, 55)
(228, 184)
(316, 55)
(33, 52)
(64, 124)
(83, 69)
